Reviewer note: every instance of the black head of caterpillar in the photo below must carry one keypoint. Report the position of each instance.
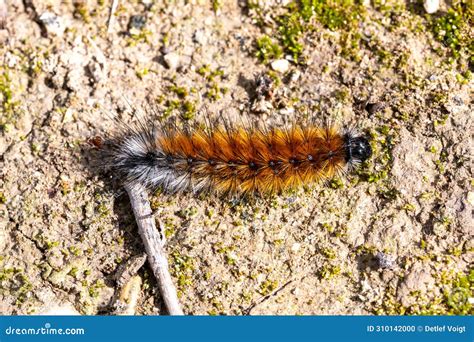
(358, 149)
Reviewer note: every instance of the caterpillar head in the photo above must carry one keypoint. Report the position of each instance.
(358, 149)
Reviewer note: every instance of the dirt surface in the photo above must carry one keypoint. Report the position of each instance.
(394, 237)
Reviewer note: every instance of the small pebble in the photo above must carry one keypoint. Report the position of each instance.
(295, 247)
(137, 22)
(54, 24)
(280, 65)
(470, 197)
(295, 75)
(431, 6)
(384, 260)
(264, 86)
(200, 37)
(172, 60)
(373, 108)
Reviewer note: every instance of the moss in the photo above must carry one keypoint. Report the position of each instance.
(342, 95)
(229, 259)
(81, 11)
(189, 110)
(214, 90)
(75, 250)
(187, 213)
(3, 198)
(7, 273)
(329, 271)
(102, 210)
(456, 289)
(267, 49)
(142, 36)
(299, 18)
(203, 70)
(24, 289)
(8, 106)
(94, 289)
(290, 29)
(350, 47)
(73, 272)
(16, 283)
(464, 78)
(181, 267)
(51, 244)
(141, 73)
(328, 227)
(408, 207)
(452, 29)
(218, 247)
(216, 4)
(329, 253)
(455, 251)
(267, 287)
(182, 92)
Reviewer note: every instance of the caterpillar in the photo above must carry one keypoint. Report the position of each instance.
(234, 159)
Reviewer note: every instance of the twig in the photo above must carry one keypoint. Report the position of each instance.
(129, 283)
(110, 22)
(127, 297)
(268, 296)
(153, 246)
(3, 14)
(129, 269)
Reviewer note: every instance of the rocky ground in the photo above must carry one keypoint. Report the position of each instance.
(395, 237)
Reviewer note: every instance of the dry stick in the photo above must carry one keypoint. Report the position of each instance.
(110, 22)
(153, 246)
(3, 14)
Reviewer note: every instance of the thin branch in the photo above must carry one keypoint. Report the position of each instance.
(268, 296)
(153, 246)
(110, 22)
(129, 283)
(3, 14)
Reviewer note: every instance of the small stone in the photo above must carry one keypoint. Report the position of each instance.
(137, 22)
(295, 75)
(172, 60)
(373, 108)
(264, 86)
(200, 37)
(384, 260)
(67, 117)
(3, 15)
(295, 247)
(54, 24)
(280, 65)
(431, 6)
(470, 197)
(261, 106)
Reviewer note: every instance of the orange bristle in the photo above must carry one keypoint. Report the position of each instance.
(242, 160)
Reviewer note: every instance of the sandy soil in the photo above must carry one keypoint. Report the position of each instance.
(394, 237)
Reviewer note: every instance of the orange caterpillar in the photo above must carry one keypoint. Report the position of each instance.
(235, 159)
